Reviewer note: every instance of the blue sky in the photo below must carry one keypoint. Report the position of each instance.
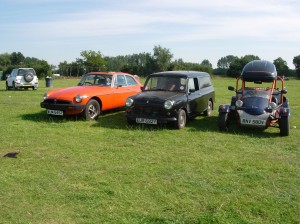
(194, 30)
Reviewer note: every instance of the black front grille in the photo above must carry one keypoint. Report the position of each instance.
(149, 110)
(53, 101)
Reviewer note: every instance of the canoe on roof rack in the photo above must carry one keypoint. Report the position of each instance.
(259, 70)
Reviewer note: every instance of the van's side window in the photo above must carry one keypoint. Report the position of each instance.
(193, 84)
(204, 82)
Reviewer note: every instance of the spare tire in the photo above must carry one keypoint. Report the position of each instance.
(28, 76)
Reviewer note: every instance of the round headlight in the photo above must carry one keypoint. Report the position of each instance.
(239, 103)
(78, 98)
(272, 105)
(129, 102)
(168, 104)
(46, 96)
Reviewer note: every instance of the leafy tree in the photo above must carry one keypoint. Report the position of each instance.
(224, 62)
(115, 63)
(140, 64)
(162, 58)
(206, 63)
(4, 60)
(43, 69)
(236, 67)
(281, 67)
(181, 65)
(296, 62)
(93, 61)
(178, 64)
(17, 58)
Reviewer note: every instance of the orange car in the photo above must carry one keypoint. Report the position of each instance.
(96, 92)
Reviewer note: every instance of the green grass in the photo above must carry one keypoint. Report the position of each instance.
(72, 171)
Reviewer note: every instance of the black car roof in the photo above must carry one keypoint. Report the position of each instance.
(190, 74)
(259, 70)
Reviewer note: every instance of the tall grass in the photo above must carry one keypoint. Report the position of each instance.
(68, 170)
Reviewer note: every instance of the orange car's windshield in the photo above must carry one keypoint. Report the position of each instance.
(96, 80)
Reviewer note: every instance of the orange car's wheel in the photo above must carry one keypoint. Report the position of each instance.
(92, 110)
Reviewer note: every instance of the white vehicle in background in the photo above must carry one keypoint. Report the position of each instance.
(22, 78)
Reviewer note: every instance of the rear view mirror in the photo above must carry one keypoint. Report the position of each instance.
(231, 88)
(284, 91)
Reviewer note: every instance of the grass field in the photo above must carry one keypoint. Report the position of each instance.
(72, 171)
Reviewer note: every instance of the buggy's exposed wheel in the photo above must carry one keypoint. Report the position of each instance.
(223, 121)
(284, 126)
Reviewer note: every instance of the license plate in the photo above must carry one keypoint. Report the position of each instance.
(146, 121)
(55, 112)
(256, 122)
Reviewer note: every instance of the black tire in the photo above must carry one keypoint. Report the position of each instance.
(208, 111)
(14, 86)
(34, 88)
(181, 119)
(6, 86)
(28, 77)
(92, 110)
(223, 121)
(284, 126)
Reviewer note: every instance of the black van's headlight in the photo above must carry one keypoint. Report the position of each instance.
(168, 104)
(129, 102)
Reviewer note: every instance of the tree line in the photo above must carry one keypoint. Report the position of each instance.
(141, 64)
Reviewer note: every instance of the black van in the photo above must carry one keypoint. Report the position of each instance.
(172, 97)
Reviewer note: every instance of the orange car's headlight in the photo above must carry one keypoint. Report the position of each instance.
(78, 98)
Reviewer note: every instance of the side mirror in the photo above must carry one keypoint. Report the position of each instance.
(283, 91)
(231, 88)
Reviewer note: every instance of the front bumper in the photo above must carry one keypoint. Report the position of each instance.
(260, 121)
(160, 119)
(63, 107)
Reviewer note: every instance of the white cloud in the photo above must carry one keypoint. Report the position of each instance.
(227, 19)
(156, 22)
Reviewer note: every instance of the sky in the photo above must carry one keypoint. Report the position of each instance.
(193, 30)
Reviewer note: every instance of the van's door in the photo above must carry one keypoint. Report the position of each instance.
(193, 97)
